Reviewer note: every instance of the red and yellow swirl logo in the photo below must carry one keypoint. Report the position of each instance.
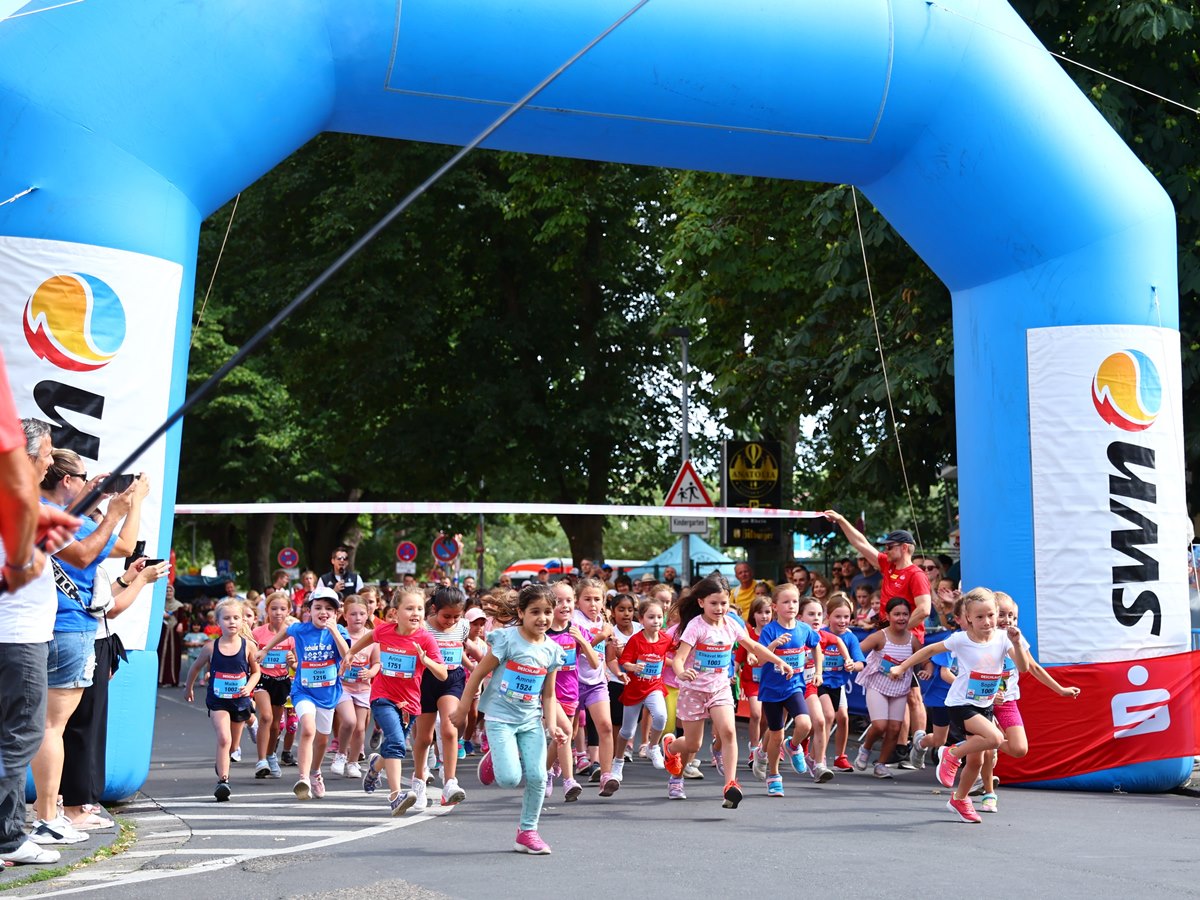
(75, 321)
(1127, 390)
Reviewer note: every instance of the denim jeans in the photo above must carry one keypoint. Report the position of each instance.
(22, 724)
(387, 716)
(516, 748)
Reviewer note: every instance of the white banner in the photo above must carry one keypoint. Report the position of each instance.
(88, 341)
(1109, 517)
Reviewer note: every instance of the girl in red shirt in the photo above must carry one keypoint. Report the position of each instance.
(750, 673)
(643, 658)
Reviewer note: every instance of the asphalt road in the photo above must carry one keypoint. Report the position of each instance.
(855, 836)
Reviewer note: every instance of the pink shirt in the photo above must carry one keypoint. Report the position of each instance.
(712, 652)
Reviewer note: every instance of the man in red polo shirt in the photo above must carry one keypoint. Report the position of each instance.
(901, 578)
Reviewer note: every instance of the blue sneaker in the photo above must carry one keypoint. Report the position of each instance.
(775, 786)
(371, 776)
(796, 755)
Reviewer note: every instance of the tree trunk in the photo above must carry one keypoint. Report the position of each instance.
(586, 536)
(222, 534)
(259, 530)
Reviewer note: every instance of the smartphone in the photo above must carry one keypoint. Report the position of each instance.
(121, 483)
(153, 562)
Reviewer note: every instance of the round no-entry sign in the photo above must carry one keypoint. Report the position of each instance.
(406, 551)
(288, 558)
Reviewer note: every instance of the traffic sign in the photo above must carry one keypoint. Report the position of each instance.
(688, 491)
(288, 558)
(406, 551)
(445, 549)
(689, 525)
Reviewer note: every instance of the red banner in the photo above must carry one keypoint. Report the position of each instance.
(1127, 712)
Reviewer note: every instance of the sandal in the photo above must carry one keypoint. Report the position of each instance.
(91, 822)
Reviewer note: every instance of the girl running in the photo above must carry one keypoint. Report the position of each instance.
(703, 658)
(475, 649)
(361, 669)
(980, 651)
(886, 697)
(271, 692)
(520, 707)
(574, 642)
(945, 668)
(815, 666)
(643, 658)
(783, 696)
(440, 699)
(750, 674)
(407, 653)
(624, 620)
(839, 666)
(593, 680)
(320, 644)
(233, 673)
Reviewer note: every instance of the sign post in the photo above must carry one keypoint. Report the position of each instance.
(687, 492)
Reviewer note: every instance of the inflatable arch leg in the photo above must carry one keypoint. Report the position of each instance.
(1056, 243)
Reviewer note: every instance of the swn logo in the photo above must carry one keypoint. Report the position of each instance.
(75, 322)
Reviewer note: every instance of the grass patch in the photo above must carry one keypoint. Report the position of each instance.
(126, 836)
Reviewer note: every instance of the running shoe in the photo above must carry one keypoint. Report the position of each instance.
(671, 760)
(655, 755)
(318, 785)
(371, 777)
(718, 759)
(948, 768)
(862, 759)
(796, 757)
(56, 831)
(302, 789)
(288, 758)
(420, 799)
(964, 809)
(732, 796)
(692, 770)
(487, 774)
(571, 790)
(842, 764)
(821, 773)
(644, 751)
(376, 738)
(338, 766)
(401, 803)
(882, 771)
(236, 755)
(618, 771)
(775, 786)
(628, 754)
(452, 794)
(30, 853)
(462, 751)
(253, 730)
(273, 763)
(549, 785)
(531, 842)
(609, 785)
(222, 791)
(262, 769)
(989, 803)
(353, 770)
(596, 774)
(977, 788)
(758, 765)
(917, 756)
(469, 748)
(675, 788)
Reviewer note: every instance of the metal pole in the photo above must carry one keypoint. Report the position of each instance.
(479, 580)
(685, 558)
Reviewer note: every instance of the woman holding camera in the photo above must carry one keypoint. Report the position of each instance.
(72, 658)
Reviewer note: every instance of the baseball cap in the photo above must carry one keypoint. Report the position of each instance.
(323, 592)
(900, 536)
(474, 614)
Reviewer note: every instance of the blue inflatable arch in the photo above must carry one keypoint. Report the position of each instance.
(133, 126)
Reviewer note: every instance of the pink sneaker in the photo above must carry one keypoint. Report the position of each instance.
(318, 785)
(487, 774)
(608, 785)
(948, 768)
(531, 842)
(964, 808)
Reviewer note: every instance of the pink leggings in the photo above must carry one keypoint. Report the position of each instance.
(880, 706)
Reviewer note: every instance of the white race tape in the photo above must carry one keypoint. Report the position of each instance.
(540, 509)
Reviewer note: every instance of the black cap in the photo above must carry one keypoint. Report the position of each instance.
(900, 536)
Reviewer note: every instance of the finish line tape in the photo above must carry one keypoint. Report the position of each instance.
(535, 509)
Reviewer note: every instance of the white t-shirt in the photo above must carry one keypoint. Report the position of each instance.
(980, 668)
(27, 615)
(1009, 688)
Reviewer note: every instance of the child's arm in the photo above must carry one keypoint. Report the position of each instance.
(374, 665)
(873, 642)
(1035, 668)
(588, 651)
(679, 663)
(361, 644)
(610, 659)
(927, 669)
(201, 661)
(917, 658)
(1018, 654)
(550, 710)
(255, 673)
(819, 665)
(434, 667)
(274, 642)
(486, 667)
(764, 654)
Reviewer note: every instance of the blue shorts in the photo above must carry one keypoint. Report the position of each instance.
(387, 716)
(72, 660)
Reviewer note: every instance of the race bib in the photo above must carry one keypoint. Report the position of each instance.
(712, 657)
(317, 673)
(792, 656)
(651, 668)
(353, 674)
(275, 658)
(756, 674)
(397, 663)
(452, 653)
(569, 656)
(228, 685)
(886, 664)
(834, 662)
(982, 685)
(522, 683)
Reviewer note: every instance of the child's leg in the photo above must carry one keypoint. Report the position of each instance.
(447, 707)
(529, 742)
(262, 703)
(672, 703)
(831, 719)
(601, 719)
(391, 748)
(359, 734)
(323, 724)
(220, 723)
(235, 734)
(689, 744)
(842, 720)
(657, 720)
(562, 752)
(982, 738)
(308, 731)
(818, 737)
(345, 720)
(630, 719)
(644, 725)
(1016, 742)
(725, 733)
(754, 725)
(916, 712)
(422, 738)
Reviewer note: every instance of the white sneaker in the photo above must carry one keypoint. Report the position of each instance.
(338, 767)
(30, 853)
(644, 751)
(452, 793)
(253, 730)
(57, 831)
(236, 755)
(420, 801)
(656, 756)
(618, 769)
(353, 771)
(692, 770)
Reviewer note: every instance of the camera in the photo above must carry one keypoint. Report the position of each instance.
(121, 483)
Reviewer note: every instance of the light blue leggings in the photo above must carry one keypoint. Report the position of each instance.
(516, 748)
(657, 706)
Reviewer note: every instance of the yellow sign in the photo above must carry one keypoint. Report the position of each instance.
(754, 471)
